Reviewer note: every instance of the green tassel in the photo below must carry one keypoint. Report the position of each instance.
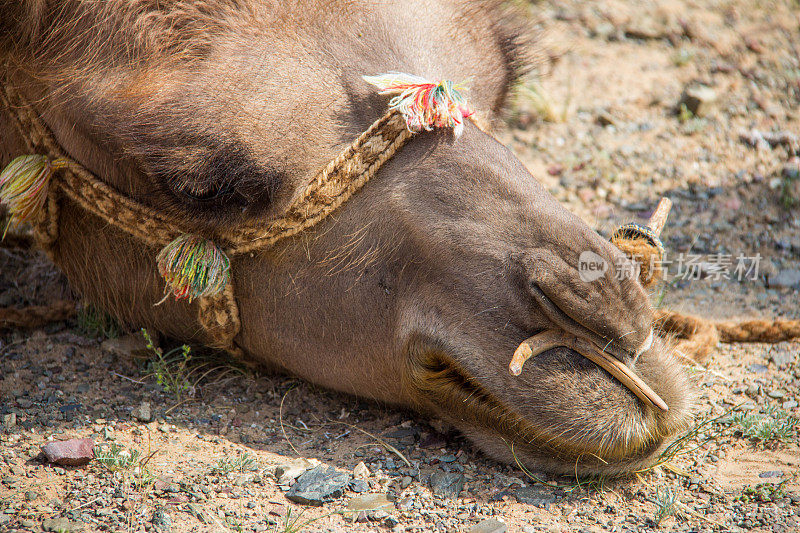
(23, 186)
(193, 267)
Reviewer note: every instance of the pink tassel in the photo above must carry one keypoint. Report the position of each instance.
(425, 105)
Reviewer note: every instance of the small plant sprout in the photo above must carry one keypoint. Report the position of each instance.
(666, 504)
(764, 492)
(171, 369)
(117, 458)
(773, 426)
(93, 322)
(243, 462)
(541, 103)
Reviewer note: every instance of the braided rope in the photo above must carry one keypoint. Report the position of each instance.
(333, 186)
(37, 315)
(218, 315)
(696, 337)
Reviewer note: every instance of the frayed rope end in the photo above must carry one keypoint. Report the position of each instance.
(23, 186)
(425, 105)
(193, 267)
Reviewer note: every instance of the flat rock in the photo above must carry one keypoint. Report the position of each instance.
(758, 369)
(161, 520)
(319, 485)
(73, 452)
(490, 525)
(359, 485)
(371, 502)
(61, 525)
(287, 472)
(536, 496)
(447, 484)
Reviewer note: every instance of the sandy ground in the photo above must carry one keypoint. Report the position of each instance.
(615, 140)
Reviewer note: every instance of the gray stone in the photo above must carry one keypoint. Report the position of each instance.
(786, 278)
(61, 525)
(490, 525)
(73, 452)
(503, 481)
(791, 171)
(782, 358)
(377, 516)
(10, 420)
(790, 404)
(698, 99)
(391, 521)
(537, 496)
(143, 413)
(447, 484)
(161, 520)
(359, 485)
(317, 486)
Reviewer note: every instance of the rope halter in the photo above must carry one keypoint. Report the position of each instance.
(198, 267)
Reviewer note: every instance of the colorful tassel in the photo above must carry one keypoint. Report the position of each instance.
(193, 267)
(23, 186)
(425, 105)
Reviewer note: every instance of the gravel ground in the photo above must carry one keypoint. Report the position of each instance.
(604, 130)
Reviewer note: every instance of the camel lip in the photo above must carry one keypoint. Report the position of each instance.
(447, 385)
(564, 321)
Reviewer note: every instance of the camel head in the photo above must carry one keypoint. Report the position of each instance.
(416, 291)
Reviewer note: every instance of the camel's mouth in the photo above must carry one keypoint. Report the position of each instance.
(447, 385)
(477, 409)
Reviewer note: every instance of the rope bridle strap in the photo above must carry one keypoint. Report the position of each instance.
(197, 267)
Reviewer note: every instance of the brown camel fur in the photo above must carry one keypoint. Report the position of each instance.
(417, 291)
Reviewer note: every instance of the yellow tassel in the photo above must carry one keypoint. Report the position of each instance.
(23, 186)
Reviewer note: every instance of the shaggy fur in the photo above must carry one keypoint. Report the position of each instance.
(417, 291)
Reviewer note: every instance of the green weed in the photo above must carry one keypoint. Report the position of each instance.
(119, 459)
(763, 492)
(665, 501)
(241, 463)
(171, 369)
(93, 322)
(773, 426)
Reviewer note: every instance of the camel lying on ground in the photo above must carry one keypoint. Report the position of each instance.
(223, 119)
